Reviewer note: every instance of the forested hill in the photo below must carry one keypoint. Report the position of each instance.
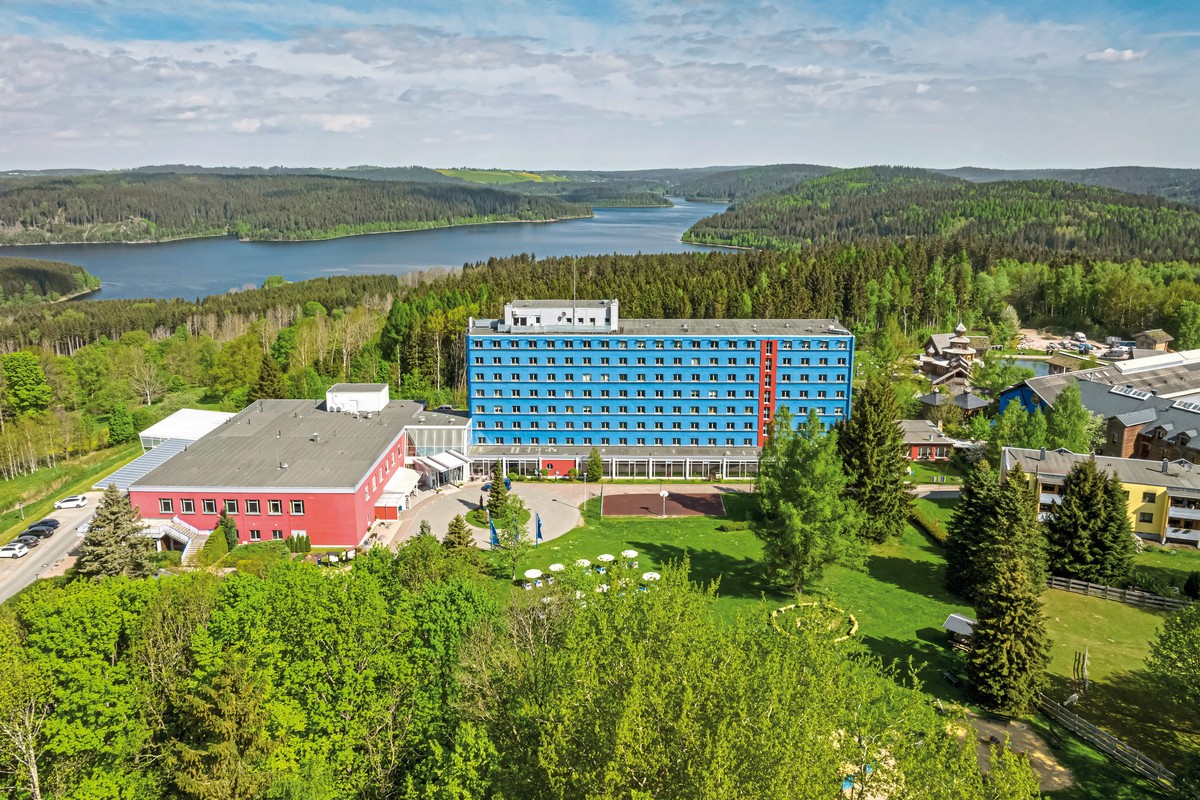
(1018, 217)
(1174, 184)
(153, 207)
(27, 280)
(738, 184)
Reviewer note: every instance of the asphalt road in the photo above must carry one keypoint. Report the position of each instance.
(17, 573)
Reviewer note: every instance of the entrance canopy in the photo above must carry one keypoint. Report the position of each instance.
(403, 482)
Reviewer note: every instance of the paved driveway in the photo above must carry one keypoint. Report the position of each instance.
(17, 573)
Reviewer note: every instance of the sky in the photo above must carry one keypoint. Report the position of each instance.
(599, 84)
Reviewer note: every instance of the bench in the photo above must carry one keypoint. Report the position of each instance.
(951, 678)
(997, 717)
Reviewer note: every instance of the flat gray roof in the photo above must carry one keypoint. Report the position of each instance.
(676, 327)
(323, 450)
(560, 303)
(631, 451)
(357, 387)
(1057, 463)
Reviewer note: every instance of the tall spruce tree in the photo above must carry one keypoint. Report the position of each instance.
(114, 544)
(809, 521)
(872, 451)
(1073, 530)
(1010, 647)
(965, 530)
(595, 466)
(497, 502)
(1114, 540)
(270, 384)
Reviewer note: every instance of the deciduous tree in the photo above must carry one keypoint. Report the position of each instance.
(1069, 424)
(1175, 654)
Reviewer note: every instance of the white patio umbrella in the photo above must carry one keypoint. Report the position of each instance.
(629, 554)
(557, 567)
(583, 562)
(602, 587)
(606, 557)
(533, 574)
(650, 576)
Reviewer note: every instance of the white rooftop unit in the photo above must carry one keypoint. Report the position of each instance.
(356, 398)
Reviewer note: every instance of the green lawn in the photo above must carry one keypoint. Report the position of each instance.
(41, 489)
(477, 517)
(1170, 563)
(498, 176)
(934, 472)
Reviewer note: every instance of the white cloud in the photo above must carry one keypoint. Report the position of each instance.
(246, 125)
(341, 123)
(1114, 56)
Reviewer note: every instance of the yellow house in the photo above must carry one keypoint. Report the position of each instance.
(1163, 496)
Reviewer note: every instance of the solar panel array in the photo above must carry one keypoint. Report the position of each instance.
(1129, 391)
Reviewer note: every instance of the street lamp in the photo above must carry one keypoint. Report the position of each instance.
(663, 494)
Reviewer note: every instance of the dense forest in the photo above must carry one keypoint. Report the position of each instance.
(1018, 217)
(1174, 184)
(28, 280)
(151, 207)
(738, 184)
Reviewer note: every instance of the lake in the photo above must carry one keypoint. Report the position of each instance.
(1040, 366)
(197, 267)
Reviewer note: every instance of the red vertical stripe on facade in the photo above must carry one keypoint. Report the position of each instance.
(768, 352)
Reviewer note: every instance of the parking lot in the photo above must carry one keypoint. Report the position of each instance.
(17, 573)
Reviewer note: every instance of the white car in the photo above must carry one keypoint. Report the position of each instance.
(13, 550)
(74, 501)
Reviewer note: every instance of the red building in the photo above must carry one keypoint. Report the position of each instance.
(283, 468)
(924, 441)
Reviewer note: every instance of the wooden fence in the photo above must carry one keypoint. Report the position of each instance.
(1127, 596)
(1107, 743)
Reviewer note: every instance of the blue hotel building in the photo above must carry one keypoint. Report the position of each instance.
(659, 398)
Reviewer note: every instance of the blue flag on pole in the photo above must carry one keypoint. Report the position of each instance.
(495, 538)
(538, 536)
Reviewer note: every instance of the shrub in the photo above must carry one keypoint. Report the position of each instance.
(1146, 581)
(924, 522)
(1191, 588)
(213, 550)
(734, 525)
(298, 544)
(573, 474)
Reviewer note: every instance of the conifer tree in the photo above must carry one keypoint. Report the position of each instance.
(595, 466)
(498, 495)
(1010, 647)
(965, 530)
(425, 530)
(872, 451)
(809, 521)
(458, 535)
(227, 527)
(114, 544)
(270, 384)
(1073, 529)
(1114, 540)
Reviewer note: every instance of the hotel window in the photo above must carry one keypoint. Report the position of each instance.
(210, 506)
(187, 506)
(1147, 497)
(255, 536)
(297, 506)
(1146, 517)
(277, 535)
(274, 506)
(252, 507)
(231, 506)
(165, 506)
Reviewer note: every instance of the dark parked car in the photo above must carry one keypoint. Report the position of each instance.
(48, 522)
(28, 541)
(41, 533)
